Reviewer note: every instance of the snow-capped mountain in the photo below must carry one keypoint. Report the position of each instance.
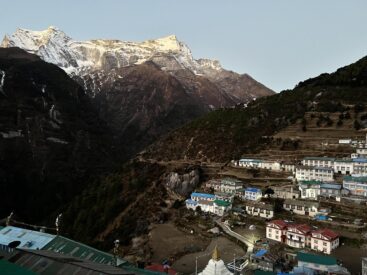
(103, 57)
(142, 90)
(54, 46)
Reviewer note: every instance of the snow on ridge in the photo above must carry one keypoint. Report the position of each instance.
(2, 81)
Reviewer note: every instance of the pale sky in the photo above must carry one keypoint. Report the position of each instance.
(278, 42)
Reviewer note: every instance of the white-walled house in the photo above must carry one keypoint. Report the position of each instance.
(314, 173)
(259, 209)
(324, 240)
(298, 235)
(208, 203)
(276, 230)
(360, 166)
(310, 189)
(318, 264)
(318, 161)
(355, 185)
(286, 192)
(249, 163)
(253, 194)
(343, 166)
(302, 236)
(306, 208)
(230, 185)
(270, 165)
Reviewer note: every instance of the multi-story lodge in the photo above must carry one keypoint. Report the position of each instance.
(230, 185)
(310, 189)
(306, 208)
(313, 189)
(318, 161)
(330, 190)
(355, 185)
(286, 192)
(324, 240)
(253, 194)
(302, 236)
(360, 166)
(314, 173)
(259, 209)
(224, 196)
(208, 203)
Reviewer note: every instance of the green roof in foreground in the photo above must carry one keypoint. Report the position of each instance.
(69, 247)
(13, 269)
(222, 203)
(316, 259)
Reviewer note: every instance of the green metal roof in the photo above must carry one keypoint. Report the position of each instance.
(356, 179)
(343, 160)
(311, 182)
(319, 158)
(13, 269)
(316, 259)
(69, 247)
(222, 203)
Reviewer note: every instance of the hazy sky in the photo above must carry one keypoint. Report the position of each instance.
(278, 42)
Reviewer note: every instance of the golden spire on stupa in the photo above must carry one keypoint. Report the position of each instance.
(216, 254)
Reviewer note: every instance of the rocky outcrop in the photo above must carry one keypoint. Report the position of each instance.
(183, 184)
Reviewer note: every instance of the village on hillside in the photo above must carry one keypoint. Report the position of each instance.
(304, 221)
(304, 217)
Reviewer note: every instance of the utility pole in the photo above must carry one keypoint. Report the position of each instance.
(57, 223)
(8, 219)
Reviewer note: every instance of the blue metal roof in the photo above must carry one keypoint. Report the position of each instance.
(29, 239)
(364, 160)
(253, 189)
(261, 253)
(190, 201)
(203, 195)
(331, 186)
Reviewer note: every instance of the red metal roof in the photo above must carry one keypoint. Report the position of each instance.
(280, 223)
(327, 233)
(304, 228)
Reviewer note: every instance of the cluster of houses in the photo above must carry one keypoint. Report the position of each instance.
(302, 236)
(224, 192)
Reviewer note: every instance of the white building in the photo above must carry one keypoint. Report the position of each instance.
(356, 185)
(302, 236)
(318, 161)
(230, 185)
(343, 166)
(270, 165)
(345, 141)
(286, 192)
(306, 208)
(314, 173)
(276, 230)
(298, 235)
(360, 166)
(310, 189)
(324, 240)
(208, 203)
(258, 209)
(253, 194)
(249, 163)
(318, 264)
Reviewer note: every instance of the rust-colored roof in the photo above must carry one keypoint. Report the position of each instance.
(280, 223)
(327, 233)
(304, 228)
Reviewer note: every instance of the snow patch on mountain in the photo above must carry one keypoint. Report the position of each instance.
(2, 81)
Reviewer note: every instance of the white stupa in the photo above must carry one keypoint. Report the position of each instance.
(215, 265)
